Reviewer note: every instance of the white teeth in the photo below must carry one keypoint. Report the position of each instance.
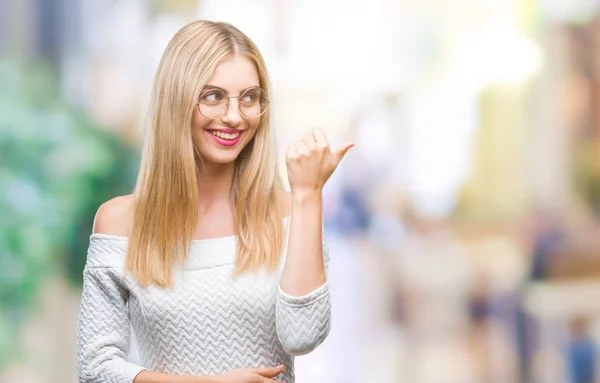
(227, 136)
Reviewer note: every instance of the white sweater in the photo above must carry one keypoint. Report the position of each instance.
(208, 324)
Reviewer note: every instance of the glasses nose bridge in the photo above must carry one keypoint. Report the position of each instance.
(227, 104)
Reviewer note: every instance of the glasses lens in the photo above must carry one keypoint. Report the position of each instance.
(213, 103)
(253, 102)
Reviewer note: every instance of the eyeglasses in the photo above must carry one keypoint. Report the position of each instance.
(252, 103)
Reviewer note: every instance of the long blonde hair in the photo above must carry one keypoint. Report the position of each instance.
(166, 192)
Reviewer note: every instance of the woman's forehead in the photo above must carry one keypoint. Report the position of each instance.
(235, 74)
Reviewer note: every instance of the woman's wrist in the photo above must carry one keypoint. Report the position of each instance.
(302, 196)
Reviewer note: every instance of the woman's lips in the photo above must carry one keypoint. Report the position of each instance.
(229, 137)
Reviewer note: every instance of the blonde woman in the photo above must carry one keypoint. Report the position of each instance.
(220, 272)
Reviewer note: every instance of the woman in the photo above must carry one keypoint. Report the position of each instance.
(219, 271)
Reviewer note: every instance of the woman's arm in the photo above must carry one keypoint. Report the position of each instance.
(310, 163)
(148, 376)
(103, 329)
(251, 375)
(303, 314)
(304, 269)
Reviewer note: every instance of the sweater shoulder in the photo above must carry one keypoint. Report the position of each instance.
(106, 251)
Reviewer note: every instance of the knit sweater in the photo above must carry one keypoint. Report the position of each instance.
(207, 324)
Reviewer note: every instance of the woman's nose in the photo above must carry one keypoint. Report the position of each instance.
(232, 114)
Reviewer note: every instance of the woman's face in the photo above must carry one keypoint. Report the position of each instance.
(220, 140)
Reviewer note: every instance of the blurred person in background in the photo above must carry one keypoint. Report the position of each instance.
(220, 272)
(581, 352)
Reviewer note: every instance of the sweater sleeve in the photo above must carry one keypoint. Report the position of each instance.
(103, 329)
(304, 322)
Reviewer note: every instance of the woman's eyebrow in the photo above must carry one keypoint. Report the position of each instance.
(209, 86)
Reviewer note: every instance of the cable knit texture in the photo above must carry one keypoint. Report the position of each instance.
(207, 324)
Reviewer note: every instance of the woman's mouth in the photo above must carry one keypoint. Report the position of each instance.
(225, 139)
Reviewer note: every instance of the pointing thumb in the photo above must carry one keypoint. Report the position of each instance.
(341, 151)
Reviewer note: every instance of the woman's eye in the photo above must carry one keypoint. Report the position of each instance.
(249, 98)
(212, 97)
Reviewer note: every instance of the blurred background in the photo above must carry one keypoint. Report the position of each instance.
(464, 226)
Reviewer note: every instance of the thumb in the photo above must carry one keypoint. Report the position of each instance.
(340, 152)
(269, 372)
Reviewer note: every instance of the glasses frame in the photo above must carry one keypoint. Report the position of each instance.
(238, 104)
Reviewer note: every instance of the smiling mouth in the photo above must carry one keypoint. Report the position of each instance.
(225, 136)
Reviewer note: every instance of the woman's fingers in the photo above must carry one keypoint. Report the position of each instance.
(269, 372)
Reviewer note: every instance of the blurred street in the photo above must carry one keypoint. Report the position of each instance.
(463, 227)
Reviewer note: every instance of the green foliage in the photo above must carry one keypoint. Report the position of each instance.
(56, 167)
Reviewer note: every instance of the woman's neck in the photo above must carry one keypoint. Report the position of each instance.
(215, 185)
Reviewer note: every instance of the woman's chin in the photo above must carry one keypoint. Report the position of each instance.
(219, 159)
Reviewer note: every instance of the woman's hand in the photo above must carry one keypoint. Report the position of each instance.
(310, 162)
(252, 375)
